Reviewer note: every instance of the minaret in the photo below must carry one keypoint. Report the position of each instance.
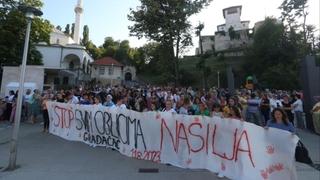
(78, 10)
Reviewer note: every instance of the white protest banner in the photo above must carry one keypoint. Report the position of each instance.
(237, 149)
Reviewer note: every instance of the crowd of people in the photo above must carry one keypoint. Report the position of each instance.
(268, 108)
(259, 107)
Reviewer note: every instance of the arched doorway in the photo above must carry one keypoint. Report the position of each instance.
(128, 76)
(71, 62)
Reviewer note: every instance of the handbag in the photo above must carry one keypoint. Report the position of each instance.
(302, 154)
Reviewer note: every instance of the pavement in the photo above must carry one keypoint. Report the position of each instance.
(44, 156)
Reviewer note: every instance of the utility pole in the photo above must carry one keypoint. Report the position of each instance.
(30, 12)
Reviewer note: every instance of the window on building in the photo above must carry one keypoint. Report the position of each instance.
(110, 70)
(232, 11)
(71, 65)
(101, 70)
(56, 81)
(65, 80)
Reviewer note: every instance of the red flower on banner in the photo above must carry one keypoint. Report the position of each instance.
(279, 167)
(196, 119)
(189, 161)
(223, 167)
(271, 169)
(270, 149)
(264, 174)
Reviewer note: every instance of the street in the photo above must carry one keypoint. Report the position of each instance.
(44, 156)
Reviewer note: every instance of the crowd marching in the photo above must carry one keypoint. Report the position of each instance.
(274, 108)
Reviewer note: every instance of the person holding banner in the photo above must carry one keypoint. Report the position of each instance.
(279, 120)
(97, 101)
(109, 102)
(169, 107)
(45, 114)
(71, 98)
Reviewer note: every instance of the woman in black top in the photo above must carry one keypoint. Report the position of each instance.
(287, 108)
(265, 107)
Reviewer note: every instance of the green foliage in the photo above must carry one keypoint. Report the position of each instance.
(67, 29)
(12, 32)
(94, 51)
(59, 28)
(85, 34)
(186, 77)
(166, 22)
(72, 30)
(274, 59)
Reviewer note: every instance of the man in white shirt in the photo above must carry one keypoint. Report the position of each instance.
(298, 110)
(169, 107)
(120, 103)
(71, 99)
(275, 102)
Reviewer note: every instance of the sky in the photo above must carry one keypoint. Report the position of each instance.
(109, 17)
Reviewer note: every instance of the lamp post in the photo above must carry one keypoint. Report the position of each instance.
(30, 12)
(218, 79)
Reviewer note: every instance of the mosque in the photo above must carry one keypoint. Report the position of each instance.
(66, 63)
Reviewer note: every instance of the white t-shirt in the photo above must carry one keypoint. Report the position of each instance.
(183, 110)
(274, 103)
(122, 106)
(10, 99)
(28, 98)
(73, 100)
(171, 110)
(298, 106)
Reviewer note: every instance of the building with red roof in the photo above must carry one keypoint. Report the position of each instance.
(107, 70)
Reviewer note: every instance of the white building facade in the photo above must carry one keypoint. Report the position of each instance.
(65, 65)
(109, 71)
(230, 37)
(65, 62)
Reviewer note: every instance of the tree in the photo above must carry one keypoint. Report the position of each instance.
(67, 30)
(274, 60)
(12, 32)
(85, 35)
(59, 28)
(109, 47)
(292, 11)
(72, 30)
(166, 22)
(201, 65)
